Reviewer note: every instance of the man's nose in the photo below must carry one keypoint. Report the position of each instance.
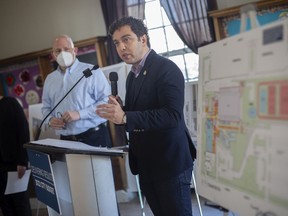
(122, 46)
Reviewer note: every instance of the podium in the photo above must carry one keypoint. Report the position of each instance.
(72, 178)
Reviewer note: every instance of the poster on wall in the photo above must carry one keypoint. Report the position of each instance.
(23, 82)
(232, 24)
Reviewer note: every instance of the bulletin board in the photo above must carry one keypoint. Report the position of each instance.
(23, 82)
(227, 21)
(231, 25)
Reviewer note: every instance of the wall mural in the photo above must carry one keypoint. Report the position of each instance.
(24, 82)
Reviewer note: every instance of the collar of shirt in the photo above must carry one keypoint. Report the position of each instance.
(136, 69)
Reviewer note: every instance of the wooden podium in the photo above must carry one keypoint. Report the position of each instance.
(81, 177)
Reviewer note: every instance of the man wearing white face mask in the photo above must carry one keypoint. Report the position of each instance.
(75, 118)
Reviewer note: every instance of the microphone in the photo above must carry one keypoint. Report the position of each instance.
(117, 132)
(113, 77)
(87, 73)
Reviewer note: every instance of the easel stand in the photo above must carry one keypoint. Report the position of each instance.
(197, 195)
(141, 198)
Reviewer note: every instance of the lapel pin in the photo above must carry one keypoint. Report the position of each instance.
(145, 72)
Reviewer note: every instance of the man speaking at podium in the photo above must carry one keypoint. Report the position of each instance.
(75, 118)
(160, 148)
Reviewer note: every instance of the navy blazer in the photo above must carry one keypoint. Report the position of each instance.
(159, 142)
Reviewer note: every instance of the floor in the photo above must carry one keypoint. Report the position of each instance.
(133, 208)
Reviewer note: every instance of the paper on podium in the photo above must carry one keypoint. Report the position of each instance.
(16, 185)
(73, 145)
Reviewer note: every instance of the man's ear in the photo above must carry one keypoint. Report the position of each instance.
(76, 50)
(53, 56)
(144, 39)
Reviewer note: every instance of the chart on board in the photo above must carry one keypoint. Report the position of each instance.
(242, 131)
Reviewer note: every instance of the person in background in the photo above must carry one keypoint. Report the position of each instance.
(160, 148)
(14, 133)
(75, 118)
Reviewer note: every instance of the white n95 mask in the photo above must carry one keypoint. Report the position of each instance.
(65, 59)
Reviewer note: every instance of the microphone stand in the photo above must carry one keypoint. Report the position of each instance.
(86, 73)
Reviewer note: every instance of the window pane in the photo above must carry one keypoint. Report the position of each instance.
(192, 64)
(153, 14)
(157, 40)
(174, 42)
(167, 43)
(166, 21)
(179, 61)
(131, 2)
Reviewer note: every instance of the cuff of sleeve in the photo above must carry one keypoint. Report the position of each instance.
(83, 114)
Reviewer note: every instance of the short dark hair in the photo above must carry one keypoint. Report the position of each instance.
(136, 25)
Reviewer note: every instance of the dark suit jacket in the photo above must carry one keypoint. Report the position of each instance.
(160, 144)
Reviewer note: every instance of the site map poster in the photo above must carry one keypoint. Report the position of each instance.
(242, 131)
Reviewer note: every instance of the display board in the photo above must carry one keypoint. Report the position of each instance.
(242, 131)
